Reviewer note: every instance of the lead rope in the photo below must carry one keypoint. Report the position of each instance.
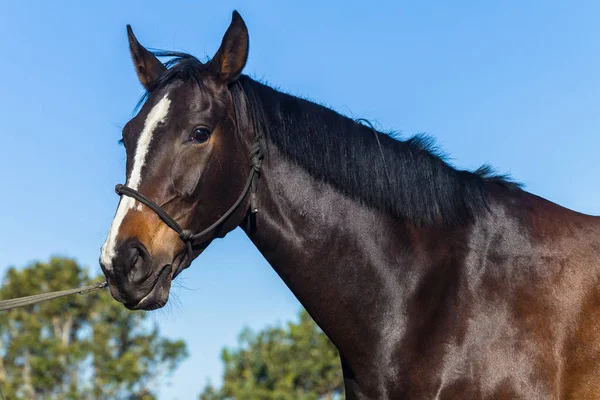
(9, 304)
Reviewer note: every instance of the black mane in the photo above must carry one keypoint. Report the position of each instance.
(409, 179)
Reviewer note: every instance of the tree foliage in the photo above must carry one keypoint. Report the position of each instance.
(80, 347)
(295, 362)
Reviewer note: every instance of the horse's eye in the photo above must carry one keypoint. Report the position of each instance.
(200, 135)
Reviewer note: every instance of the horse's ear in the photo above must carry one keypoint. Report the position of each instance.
(231, 57)
(147, 66)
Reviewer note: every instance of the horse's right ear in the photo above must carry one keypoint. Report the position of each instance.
(147, 66)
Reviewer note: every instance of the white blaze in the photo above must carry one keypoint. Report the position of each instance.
(155, 116)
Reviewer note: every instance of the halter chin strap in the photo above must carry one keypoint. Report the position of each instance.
(187, 236)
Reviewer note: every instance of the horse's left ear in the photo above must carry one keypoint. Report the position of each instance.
(147, 66)
(231, 57)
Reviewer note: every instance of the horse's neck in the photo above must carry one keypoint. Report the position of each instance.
(348, 264)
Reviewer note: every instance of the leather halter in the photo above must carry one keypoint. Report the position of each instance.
(188, 237)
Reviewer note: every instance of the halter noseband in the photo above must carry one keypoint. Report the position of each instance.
(187, 236)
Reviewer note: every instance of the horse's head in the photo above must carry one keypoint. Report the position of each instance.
(185, 154)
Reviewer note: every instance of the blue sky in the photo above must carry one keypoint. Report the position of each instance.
(515, 84)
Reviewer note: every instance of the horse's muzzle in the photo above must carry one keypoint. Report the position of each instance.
(136, 279)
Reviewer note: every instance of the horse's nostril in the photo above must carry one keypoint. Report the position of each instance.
(133, 254)
(136, 260)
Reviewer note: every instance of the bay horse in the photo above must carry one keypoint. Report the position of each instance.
(432, 282)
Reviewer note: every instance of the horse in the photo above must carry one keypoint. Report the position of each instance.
(432, 282)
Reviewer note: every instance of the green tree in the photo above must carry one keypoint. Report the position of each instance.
(80, 347)
(295, 362)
